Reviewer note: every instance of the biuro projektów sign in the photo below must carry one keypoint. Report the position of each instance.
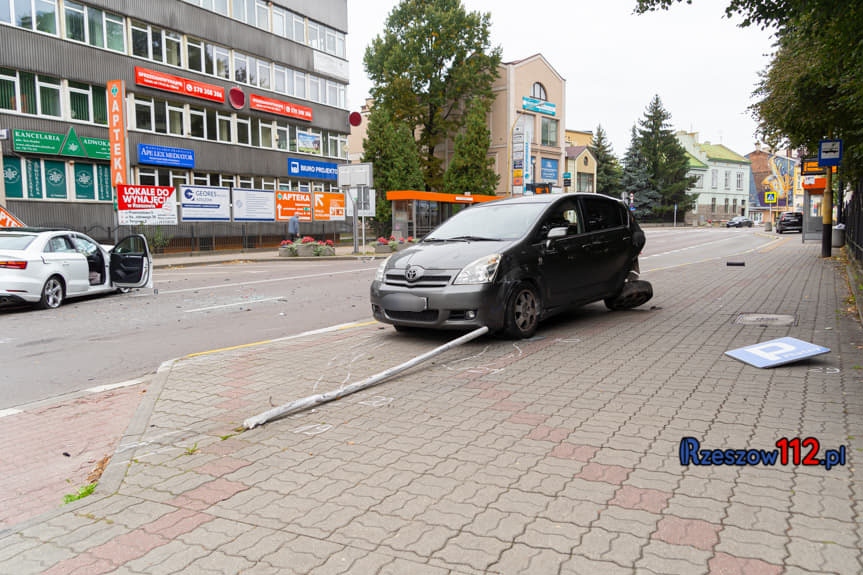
(149, 205)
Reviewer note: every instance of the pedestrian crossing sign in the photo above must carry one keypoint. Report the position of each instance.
(769, 197)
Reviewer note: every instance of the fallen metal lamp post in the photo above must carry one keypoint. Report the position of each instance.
(313, 400)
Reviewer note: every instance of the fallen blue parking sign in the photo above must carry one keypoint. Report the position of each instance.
(776, 352)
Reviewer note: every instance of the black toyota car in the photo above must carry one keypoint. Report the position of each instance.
(510, 263)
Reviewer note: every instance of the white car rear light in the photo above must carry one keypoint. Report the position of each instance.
(14, 264)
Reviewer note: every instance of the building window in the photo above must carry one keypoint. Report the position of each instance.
(584, 183)
(262, 15)
(699, 181)
(8, 89)
(48, 90)
(144, 114)
(222, 59)
(223, 126)
(280, 78)
(197, 123)
(299, 85)
(538, 91)
(241, 65)
(87, 103)
(714, 179)
(244, 181)
(727, 180)
(314, 36)
(226, 181)
(734, 205)
(173, 50)
(266, 134)
(264, 74)
(40, 15)
(712, 205)
(314, 89)
(280, 22)
(726, 205)
(299, 26)
(549, 132)
(93, 26)
(739, 180)
(243, 131)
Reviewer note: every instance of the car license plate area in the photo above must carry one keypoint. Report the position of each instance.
(404, 302)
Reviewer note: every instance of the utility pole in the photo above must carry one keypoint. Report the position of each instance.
(827, 215)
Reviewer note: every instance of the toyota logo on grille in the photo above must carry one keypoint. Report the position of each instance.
(413, 273)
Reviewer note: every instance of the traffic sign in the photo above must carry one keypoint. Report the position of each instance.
(776, 352)
(769, 197)
(829, 152)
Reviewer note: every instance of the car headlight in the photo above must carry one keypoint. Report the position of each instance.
(379, 274)
(481, 271)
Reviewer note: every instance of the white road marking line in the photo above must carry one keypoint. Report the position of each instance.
(8, 412)
(109, 387)
(687, 248)
(271, 280)
(251, 301)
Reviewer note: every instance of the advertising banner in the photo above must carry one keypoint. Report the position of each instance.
(205, 204)
(279, 107)
(312, 169)
(309, 144)
(536, 105)
(290, 203)
(329, 207)
(254, 205)
(164, 156)
(85, 183)
(12, 177)
(150, 205)
(178, 85)
(55, 180)
(117, 131)
(548, 169)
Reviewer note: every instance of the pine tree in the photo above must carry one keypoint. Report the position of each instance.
(665, 161)
(390, 148)
(607, 167)
(636, 181)
(471, 168)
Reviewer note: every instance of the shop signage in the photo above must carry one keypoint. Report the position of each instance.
(31, 141)
(204, 204)
(33, 169)
(12, 177)
(178, 85)
(165, 156)
(279, 107)
(149, 205)
(329, 207)
(312, 169)
(96, 148)
(254, 205)
(536, 105)
(117, 131)
(548, 169)
(290, 203)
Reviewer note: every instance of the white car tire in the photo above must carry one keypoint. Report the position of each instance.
(53, 293)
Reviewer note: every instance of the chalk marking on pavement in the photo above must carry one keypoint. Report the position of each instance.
(112, 386)
(8, 412)
(271, 280)
(250, 301)
(339, 327)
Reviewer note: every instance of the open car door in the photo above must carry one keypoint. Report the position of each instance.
(131, 263)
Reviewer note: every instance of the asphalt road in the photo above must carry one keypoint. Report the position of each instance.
(110, 339)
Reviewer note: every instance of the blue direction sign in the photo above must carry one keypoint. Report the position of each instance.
(776, 352)
(829, 152)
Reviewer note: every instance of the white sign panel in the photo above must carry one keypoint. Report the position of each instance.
(254, 205)
(365, 203)
(148, 205)
(205, 204)
(352, 175)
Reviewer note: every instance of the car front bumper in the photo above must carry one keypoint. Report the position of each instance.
(450, 307)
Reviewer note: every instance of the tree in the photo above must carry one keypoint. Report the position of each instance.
(665, 161)
(391, 149)
(607, 166)
(432, 57)
(813, 87)
(471, 169)
(635, 180)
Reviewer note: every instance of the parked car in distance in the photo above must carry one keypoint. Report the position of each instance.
(47, 267)
(789, 221)
(508, 264)
(739, 222)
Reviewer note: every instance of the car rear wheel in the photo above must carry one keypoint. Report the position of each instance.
(522, 312)
(53, 293)
(633, 294)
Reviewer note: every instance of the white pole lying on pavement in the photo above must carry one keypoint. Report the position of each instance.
(314, 400)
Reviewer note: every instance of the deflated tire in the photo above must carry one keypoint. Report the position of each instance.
(633, 294)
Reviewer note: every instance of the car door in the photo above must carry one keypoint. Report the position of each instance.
(61, 258)
(563, 267)
(131, 263)
(609, 240)
(97, 280)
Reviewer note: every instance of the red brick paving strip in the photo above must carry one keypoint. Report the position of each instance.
(545, 433)
(208, 494)
(176, 523)
(613, 474)
(651, 500)
(694, 532)
(34, 473)
(724, 564)
(524, 418)
(572, 451)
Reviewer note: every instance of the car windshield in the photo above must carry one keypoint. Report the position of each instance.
(15, 241)
(490, 222)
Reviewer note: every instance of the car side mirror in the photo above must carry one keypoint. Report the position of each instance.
(554, 234)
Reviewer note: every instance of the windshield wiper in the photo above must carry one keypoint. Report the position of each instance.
(474, 239)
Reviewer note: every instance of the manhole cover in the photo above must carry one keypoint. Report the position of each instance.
(765, 319)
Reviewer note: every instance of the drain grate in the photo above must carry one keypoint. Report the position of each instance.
(765, 319)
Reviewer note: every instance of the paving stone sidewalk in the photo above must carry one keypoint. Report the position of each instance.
(552, 455)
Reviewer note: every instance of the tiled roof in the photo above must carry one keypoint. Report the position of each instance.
(695, 163)
(575, 151)
(723, 154)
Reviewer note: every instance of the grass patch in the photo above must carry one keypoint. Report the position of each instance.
(80, 494)
(192, 450)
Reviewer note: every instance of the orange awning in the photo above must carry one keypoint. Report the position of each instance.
(437, 197)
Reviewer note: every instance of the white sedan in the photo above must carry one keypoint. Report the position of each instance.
(46, 267)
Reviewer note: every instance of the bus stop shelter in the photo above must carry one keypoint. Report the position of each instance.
(417, 213)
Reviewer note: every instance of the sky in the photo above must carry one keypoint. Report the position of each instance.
(701, 64)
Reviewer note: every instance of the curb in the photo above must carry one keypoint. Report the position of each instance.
(193, 263)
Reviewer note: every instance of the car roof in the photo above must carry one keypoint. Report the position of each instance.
(546, 198)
